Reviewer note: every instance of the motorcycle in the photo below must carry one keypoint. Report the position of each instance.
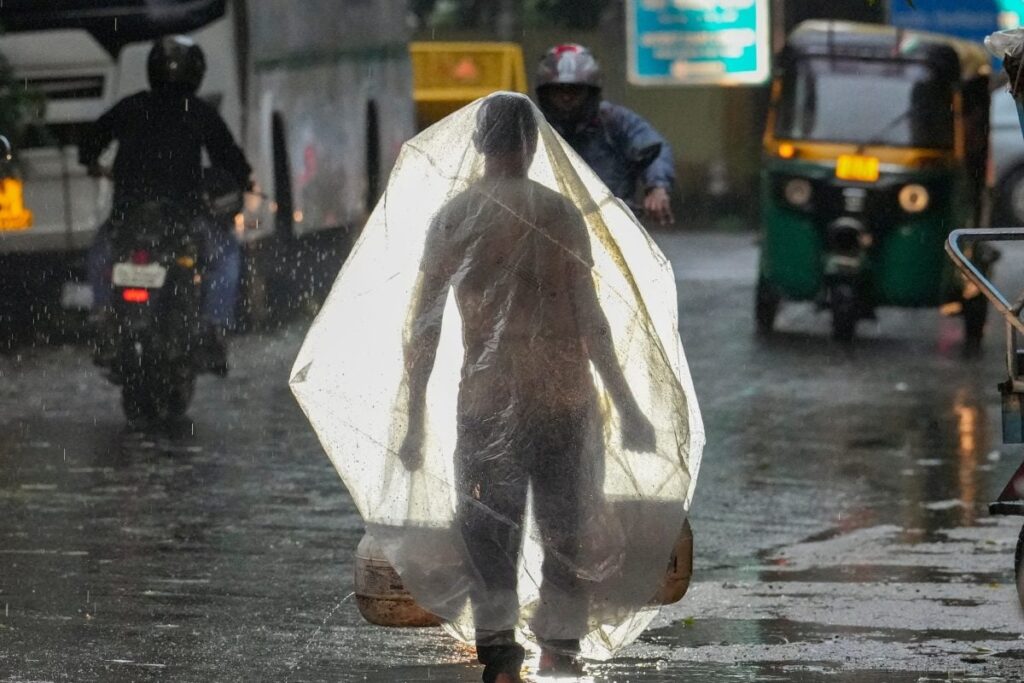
(155, 324)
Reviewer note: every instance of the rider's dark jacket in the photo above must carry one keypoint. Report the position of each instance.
(608, 142)
(161, 136)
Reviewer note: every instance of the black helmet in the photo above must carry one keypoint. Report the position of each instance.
(176, 62)
(568, 64)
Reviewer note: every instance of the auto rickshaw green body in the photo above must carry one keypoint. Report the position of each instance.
(909, 268)
(858, 230)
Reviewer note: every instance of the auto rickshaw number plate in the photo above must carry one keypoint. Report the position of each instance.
(855, 167)
(13, 214)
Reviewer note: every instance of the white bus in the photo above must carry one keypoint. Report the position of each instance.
(318, 93)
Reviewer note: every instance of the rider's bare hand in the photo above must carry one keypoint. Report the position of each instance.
(658, 206)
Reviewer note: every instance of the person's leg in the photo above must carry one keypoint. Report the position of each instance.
(98, 263)
(222, 268)
(557, 476)
(492, 502)
(221, 272)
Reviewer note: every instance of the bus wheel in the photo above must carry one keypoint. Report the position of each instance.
(843, 298)
(766, 307)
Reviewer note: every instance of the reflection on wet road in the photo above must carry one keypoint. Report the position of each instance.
(840, 519)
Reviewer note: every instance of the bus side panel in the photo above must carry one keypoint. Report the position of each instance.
(790, 250)
(392, 93)
(327, 70)
(324, 111)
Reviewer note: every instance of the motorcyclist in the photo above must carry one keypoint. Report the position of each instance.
(162, 134)
(609, 137)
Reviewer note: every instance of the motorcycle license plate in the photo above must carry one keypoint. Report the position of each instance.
(149, 276)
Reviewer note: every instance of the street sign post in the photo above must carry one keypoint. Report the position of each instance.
(698, 42)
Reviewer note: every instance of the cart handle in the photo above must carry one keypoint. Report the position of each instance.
(1010, 312)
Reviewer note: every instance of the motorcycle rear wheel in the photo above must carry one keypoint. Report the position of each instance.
(158, 391)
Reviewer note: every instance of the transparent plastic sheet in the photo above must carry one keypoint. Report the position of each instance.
(499, 366)
(1009, 47)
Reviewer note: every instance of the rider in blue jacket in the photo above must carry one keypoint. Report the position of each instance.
(609, 137)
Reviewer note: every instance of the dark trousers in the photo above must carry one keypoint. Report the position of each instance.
(222, 267)
(497, 461)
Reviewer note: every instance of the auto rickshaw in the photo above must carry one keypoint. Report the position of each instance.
(875, 148)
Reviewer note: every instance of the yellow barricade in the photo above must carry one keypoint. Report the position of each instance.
(448, 75)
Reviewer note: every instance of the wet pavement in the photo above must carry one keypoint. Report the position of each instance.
(840, 521)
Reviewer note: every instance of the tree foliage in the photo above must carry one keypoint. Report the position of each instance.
(576, 14)
(573, 14)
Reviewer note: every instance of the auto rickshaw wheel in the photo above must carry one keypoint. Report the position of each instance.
(975, 312)
(1018, 570)
(766, 307)
(843, 299)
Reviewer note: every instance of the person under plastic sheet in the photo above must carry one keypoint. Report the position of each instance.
(514, 470)
(517, 256)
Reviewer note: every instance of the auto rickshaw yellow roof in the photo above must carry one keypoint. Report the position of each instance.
(829, 36)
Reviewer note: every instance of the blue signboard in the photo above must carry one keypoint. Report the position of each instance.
(969, 19)
(698, 42)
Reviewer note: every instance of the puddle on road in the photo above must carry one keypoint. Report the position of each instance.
(872, 573)
(713, 632)
(625, 669)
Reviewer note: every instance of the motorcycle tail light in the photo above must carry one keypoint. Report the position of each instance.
(135, 296)
(140, 257)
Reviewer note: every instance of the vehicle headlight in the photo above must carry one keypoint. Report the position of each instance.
(914, 198)
(797, 192)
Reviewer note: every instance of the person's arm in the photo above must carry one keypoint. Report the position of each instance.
(423, 332)
(223, 150)
(659, 176)
(639, 133)
(99, 135)
(637, 431)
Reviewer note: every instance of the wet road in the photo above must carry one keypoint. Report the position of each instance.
(840, 517)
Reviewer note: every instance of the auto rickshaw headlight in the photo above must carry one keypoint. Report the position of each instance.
(914, 198)
(797, 192)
